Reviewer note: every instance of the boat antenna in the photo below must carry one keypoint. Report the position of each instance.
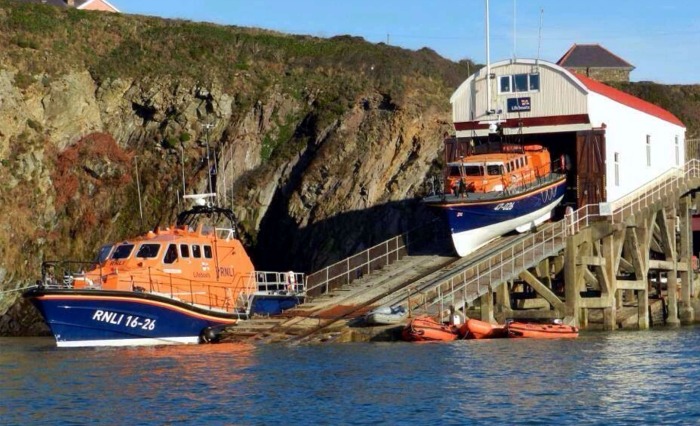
(208, 126)
(514, 29)
(138, 188)
(182, 168)
(488, 64)
(539, 38)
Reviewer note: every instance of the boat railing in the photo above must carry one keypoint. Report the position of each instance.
(205, 294)
(278, 282)
(372, 259)
(502, 266)
(63, 273)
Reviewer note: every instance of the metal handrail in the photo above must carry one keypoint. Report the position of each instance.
(363, 263)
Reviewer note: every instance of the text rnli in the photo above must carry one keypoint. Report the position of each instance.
(129, 321)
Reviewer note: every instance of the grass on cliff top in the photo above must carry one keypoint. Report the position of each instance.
(42, 39)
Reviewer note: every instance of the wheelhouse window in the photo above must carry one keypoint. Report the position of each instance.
(519, 83)
(196, 252)
(466, 171)
(494, 169)
(207, 252)
(170, 254)
(148, 251)
(184, 250)
(123, 251)
(104, 252)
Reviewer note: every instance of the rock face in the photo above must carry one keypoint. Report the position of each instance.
(319, 154)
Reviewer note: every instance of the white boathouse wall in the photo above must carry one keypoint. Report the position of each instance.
(626, 131)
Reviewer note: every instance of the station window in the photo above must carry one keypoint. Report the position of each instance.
(184, 250)
(648, 150)
(617, 169)
(518, 83)
(196, 252)
(678, 152)
(207, 252)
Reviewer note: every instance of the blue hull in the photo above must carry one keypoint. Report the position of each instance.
(473, 222)
(110, 318)
(274, 304)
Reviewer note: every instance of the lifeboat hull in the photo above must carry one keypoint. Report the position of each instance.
(541, 331)
(80, 318)
(476, 221)
(426, 329)
(475, 329)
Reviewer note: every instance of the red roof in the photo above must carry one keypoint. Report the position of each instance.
(628, 100)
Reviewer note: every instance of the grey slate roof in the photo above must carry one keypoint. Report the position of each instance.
(592, 55)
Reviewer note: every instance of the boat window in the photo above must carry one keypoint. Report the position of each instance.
(526, 161)
(103, 254)
(170, 254)
(196, 251)
(467, 170)
(148, 251)
(473, 171)
(494, 170)
(508, 167)
(207, 252)
(184, 250)
(123, 251)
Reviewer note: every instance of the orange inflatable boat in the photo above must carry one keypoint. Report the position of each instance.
(475, 329)
(426, 329)
(541, 331)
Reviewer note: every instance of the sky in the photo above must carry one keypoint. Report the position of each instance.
(661, 38)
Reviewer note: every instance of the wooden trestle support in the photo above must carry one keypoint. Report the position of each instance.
(609, 268)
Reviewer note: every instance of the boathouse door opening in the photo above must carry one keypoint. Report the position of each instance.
(590, 166)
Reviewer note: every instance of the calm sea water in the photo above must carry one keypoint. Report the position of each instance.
(601, 378)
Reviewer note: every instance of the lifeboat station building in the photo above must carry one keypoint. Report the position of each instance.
(612, 142)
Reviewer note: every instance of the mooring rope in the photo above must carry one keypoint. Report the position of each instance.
(18, 289)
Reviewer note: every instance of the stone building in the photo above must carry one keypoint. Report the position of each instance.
(596, 62)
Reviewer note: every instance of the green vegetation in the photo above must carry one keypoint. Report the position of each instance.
(115, 45)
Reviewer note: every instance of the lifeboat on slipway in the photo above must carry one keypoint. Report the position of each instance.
(427, 329)
(495, 187)
(181, 284)
(541, 331)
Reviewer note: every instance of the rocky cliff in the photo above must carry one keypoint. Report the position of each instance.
(319, 145)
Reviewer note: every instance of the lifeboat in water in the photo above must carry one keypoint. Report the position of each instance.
(181, 284)
(541, 331)
(427, 329)
(475, 329)
(492, 188)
